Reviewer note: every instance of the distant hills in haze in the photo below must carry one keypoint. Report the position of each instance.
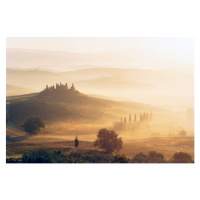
(65, 61)
(121, 74)
(95, 80)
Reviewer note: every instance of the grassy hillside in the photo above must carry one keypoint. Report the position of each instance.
(68, 106)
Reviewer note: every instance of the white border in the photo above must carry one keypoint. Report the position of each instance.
(99, 18)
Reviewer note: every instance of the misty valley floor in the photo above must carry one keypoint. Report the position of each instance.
(18, 145)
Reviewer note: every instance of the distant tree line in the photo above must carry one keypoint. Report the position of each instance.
(129, 123)
(142, 117)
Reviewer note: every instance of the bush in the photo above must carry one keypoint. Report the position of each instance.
(108, 140)
(47, 156)
(181, 157)
(154, 157)
(32, 125)
(140, 158)
(40, 156)
(121, 159)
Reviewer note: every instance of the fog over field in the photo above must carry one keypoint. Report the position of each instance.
(141, 88)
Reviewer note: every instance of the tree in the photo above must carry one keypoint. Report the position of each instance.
(76, 142)
(32, 125)
(140, 158)
(108, 140)
(154, 157)
(181, 157)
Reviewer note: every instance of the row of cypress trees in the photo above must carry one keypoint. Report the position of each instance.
(142, 117)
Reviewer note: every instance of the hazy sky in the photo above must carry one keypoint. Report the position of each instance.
(179, 49)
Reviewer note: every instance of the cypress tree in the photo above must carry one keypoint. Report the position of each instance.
(76, 142)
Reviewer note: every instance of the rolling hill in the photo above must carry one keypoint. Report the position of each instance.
(68, 104)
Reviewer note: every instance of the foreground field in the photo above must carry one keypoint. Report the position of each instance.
(18, 143)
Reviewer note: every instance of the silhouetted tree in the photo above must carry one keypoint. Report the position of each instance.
(154, 157)
(76, 142)
(181, 157)
(125, 120)
(140, 158)
(135, 118)
(108, 140)
(32, 125)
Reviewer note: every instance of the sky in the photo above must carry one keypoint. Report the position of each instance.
(171, 48)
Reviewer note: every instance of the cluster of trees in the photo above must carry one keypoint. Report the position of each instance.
(127, 123)
(57, 88)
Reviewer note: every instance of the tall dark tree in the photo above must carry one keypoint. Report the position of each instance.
(135, 119)
(76, 142)
(108, 140)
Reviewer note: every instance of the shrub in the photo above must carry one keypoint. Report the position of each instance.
(181, 157)
(140, 158)
(47, 156)
(121, 159)
(154, 157)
